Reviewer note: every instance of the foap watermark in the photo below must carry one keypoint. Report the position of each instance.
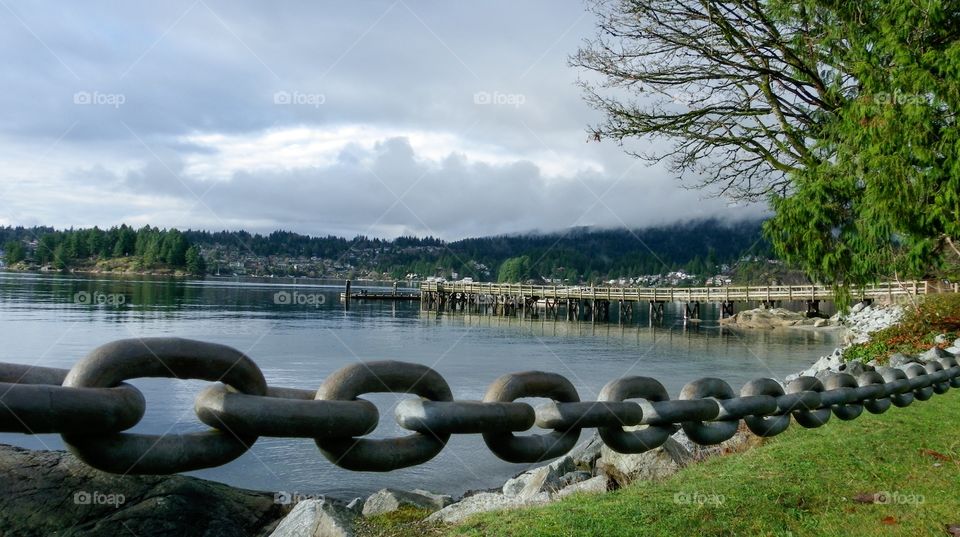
(284, 497)
(296, 298)
(698, 498)
(497, 98)
(96, 298)
(902, 99)
(97, 98)
(898, 498)
(84, 497)
(284, 97)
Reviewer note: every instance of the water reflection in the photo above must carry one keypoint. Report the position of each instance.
(298, 346)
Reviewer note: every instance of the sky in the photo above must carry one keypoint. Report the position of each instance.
(381, 118)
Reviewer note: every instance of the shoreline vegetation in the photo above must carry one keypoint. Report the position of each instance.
(893, 474)
(817, 480)
(118, 249)
(699, 252)
(802, 482)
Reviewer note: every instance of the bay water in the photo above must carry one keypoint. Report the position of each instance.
(299, 332)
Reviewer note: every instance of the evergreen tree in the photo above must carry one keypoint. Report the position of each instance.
(14, 252)
(514, 270)
(61, 258)
(195, 263)
(887, 204)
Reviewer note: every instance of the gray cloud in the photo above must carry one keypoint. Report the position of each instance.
(213, 68)
(388, 191)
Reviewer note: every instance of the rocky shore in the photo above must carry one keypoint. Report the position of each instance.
(770, 318)
(48, 492)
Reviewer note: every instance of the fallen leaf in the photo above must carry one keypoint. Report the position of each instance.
(889, 520)
(936, 455)
(953, 530)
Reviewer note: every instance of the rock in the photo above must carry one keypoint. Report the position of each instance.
(940, 339)
(855, 368)
(825, 363)
(858, 307)
(44, 492)
(572, 478)
(870, 319)
(482, 502)
(767, 318)
(953, 350)
(934, 353)
(900, 360)
(819, 323)
(658, 463)
(316, 518)
(697, 452)
(595, 485)
(356, 505)
(586, 454)
(442, 500)
(389, 500)
(542, 479)
(681, 438)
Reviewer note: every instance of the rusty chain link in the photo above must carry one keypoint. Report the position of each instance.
(90, 405)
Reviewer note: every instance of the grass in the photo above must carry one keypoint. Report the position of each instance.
(915, 333)
(802, 482)
(403, 521)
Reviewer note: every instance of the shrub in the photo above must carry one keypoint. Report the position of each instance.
(935, 315)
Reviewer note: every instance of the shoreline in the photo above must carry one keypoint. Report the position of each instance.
(186, 277)
(591, 468)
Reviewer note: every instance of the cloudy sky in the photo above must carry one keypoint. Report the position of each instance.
(377, 117)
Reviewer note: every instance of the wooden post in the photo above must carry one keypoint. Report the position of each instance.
(346, 295)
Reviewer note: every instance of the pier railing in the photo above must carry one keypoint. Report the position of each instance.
(680, 294)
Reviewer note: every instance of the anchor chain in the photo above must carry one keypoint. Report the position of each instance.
(91, 406)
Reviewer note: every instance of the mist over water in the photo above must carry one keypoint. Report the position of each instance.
(54, 320)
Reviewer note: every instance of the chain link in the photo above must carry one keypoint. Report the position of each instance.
(91, 406)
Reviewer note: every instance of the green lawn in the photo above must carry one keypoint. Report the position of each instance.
(802, 482)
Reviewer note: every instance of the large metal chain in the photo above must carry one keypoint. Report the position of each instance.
(90, 405)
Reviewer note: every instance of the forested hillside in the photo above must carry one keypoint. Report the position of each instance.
(581, 254)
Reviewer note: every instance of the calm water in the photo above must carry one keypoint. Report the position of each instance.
(299, 345)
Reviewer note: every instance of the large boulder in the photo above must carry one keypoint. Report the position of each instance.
(595, 485)
(901, 360)
(482, 502)
(738, 442)
(573, 478)
(625, 468)
(831, 362)
(768, 318)
(934, 353)
(53, 493)
(317, 518)
(585, 455)
(389, 500)
(543, 479)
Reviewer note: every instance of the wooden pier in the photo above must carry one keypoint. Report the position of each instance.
(395, 294)
(594, 302)
(381, 296)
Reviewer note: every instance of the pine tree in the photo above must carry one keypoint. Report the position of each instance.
(195, 263)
